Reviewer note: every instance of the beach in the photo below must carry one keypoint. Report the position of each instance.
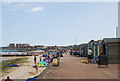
(25, 71)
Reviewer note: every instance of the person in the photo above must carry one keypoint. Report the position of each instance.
(58, 53)
(8, 79)
(89, 55)
(35, 59)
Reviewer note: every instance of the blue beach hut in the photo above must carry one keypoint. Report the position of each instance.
(83, 49)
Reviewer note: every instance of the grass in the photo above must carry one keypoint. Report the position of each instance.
(4, 65)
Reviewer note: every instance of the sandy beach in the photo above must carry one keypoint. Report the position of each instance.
(25, 71)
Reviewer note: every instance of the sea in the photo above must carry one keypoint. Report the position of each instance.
(7, 51)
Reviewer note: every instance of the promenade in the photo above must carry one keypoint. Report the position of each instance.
(72, 68)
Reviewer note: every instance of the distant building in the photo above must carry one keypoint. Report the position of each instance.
(25, 45)
(18, 45)
(117, 32)
(38, 46)
(11, 45)
(22, 45)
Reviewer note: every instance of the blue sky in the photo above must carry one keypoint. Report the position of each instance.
(58, 23)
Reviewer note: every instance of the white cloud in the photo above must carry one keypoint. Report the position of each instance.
(36, 9)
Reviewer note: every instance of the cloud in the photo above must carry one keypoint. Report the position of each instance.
(36, 9)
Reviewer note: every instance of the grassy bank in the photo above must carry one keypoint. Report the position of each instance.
(5, 64)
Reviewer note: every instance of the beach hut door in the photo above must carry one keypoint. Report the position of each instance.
(104, 49)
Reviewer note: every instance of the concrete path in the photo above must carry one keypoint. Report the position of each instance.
(72, 68)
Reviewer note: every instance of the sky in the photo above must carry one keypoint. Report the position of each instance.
(58, 23)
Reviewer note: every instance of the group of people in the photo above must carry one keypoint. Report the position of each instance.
(45, 59)
(42, 61)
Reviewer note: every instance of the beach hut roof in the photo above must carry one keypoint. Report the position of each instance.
(84, 44)
(112, 39)
(91, 41)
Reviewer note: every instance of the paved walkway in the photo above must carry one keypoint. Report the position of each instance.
(72, 68)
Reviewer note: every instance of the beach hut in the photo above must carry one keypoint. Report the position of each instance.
(110, 48)
(83, 49)
(95, 47)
